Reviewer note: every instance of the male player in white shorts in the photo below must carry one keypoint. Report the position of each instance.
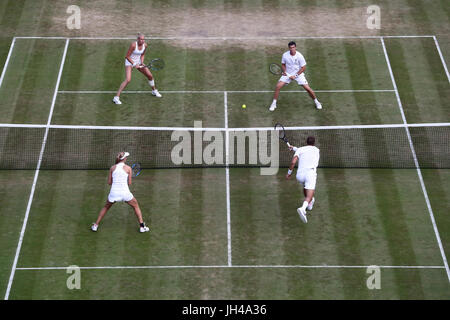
(308, 157)
(293, 64)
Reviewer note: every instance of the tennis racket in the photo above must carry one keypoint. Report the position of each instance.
(282, 133)
(275, 69)
(156, 64)
(136, 167)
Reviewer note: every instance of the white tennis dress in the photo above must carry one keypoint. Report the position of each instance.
(308, 160)
(135, 55)
(119, 189)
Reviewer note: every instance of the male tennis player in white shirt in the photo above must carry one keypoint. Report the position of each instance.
(293, 65)
(308, 160)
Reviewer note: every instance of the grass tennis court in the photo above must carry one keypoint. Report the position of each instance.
(224, 233)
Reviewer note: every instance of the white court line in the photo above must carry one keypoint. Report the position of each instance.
(442, 57)
(227, 175)
(362, 126)
(419, 172)
(33, 187)
(218, 91)
(7, 60)
(237, 266)
(229, 38)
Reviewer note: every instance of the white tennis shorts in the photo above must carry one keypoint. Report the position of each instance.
(301, 79)
(117, 196)
(307, 177)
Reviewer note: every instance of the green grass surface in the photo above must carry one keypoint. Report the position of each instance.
(361, 217)
(29, 84)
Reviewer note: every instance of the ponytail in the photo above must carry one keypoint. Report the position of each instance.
(119, 156)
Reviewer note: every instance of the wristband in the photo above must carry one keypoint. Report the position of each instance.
(289, 171)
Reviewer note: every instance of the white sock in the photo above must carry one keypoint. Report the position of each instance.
(151, 83)
(274, 101)
(116, 97)
(316, 101)
(305, 204)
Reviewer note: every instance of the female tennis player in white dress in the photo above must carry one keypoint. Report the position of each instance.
(135, 59)
(119, 179)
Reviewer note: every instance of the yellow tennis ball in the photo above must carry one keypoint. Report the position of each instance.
(244, 106)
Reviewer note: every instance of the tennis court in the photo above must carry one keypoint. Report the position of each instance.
(225, 232)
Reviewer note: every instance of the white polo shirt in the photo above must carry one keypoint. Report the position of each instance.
(293, 63)
(308, 157)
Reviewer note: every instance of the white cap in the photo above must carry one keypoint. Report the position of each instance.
(124, 156)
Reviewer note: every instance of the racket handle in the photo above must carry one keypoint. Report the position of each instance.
(288, 144)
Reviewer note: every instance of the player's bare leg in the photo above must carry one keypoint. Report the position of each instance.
(310, 202)
(146, 72)
(127, 80)
(278, 87)
(137, 211)
(312, 95)
(309, 193)
(102, 213)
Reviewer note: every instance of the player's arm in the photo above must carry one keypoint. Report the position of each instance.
(110, 175)
(291, 167)
(129, 52)
(143, 54)
(283, 68)
(130, 173)
(302, 69)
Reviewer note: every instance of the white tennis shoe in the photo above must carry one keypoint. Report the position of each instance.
(144, 229)
(273, 106)
(302, 214)
(116, 100)
(311, 204)
(156, 93)
(94, 227)
(318, 105)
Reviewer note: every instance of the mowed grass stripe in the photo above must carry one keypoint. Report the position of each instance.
(346, 232)
(424, 92)
(438, 187)
(257, 235)
(393, 217)
(328, 284)
(30, 81)
(11, 11)
(141, 109)
(74, 69)
(14, 185)
(297, 243)
(366, 105)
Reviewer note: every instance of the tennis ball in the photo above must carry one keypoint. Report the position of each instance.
(244, 106)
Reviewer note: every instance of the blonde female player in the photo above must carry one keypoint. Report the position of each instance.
(119, 179)
(135, 59)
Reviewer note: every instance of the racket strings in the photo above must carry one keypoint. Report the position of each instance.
(274, 68)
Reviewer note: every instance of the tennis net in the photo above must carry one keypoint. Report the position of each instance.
(89, 147)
